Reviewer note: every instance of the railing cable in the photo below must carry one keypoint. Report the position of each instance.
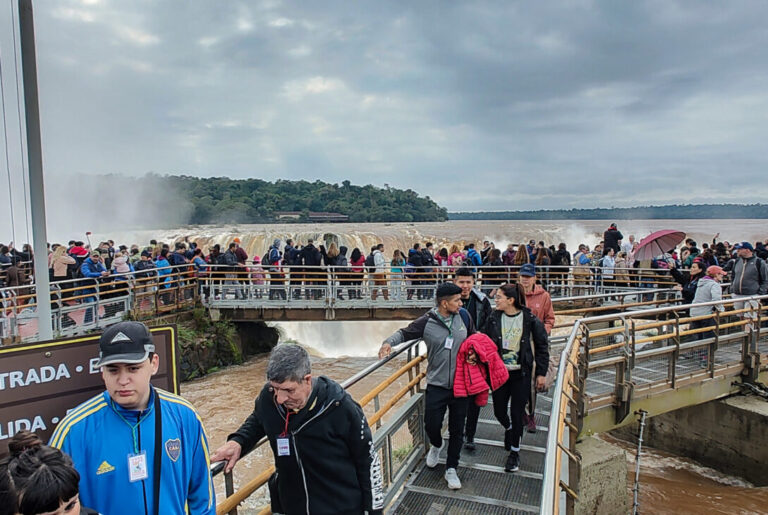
(21, 128)
(5, 139)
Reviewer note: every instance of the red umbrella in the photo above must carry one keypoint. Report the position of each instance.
(658, 243)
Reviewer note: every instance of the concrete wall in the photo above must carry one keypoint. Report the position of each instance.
(603, 485)
(729, 435)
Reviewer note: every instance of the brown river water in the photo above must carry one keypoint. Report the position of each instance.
(668, 484)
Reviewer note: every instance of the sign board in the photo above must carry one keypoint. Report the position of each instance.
(40, 382)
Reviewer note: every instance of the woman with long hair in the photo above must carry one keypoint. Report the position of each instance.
(356, 262)
(60, 263)
(522, 342)
(521, 258)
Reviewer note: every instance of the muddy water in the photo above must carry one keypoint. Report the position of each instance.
(671, 484)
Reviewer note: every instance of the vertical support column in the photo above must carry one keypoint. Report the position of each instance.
(35, 170)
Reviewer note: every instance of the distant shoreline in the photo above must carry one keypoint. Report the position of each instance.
(673, 212)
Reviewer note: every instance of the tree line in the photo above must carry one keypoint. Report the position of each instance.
(216, 200)
(674, 211)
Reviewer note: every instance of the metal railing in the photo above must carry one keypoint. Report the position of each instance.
(257, 287)
(657, 360)
(85, 304)
(405, 427)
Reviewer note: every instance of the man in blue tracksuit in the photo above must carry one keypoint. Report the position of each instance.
(126, 455)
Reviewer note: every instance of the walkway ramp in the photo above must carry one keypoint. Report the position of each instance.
(486, 487)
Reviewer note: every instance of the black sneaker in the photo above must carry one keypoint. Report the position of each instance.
(469, 444)
(507, 439)
(513, 462)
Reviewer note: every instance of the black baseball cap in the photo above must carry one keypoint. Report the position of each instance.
(125, 342)
(447, 290)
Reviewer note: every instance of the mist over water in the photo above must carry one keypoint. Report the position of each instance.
(340, 339)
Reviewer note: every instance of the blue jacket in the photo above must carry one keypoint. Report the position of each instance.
(163, 269)
(99, 442)
(474, 257)
(91, 269)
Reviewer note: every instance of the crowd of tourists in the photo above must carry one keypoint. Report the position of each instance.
(303, 269)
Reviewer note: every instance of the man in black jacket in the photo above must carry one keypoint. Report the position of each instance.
(310, 257)
(323, 449)
(611, 238)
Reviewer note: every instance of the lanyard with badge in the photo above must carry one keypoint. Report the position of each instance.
(137, 460)
(283, 442)
(449, 338)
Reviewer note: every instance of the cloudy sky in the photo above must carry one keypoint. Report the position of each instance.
(481, 105)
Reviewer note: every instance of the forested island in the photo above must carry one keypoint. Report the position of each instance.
(673, 212)
(216, 200)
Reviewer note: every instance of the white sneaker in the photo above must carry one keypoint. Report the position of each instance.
(453, 479)
(433, 455)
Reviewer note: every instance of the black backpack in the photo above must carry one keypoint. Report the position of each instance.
(370, 263)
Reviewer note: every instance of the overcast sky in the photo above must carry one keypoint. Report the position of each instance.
(480, 105)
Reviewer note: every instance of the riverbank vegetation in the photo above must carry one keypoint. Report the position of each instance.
(216, 200)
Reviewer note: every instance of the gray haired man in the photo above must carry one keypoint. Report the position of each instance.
(323, 449)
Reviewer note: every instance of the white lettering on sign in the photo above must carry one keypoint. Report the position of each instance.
(12, 427)
(45, 374)
(93, 367)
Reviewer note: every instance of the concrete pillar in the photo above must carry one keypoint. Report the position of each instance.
(603, 485)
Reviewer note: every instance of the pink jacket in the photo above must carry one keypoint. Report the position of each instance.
(473, 379)
(540, 304)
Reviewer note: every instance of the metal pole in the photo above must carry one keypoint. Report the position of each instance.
(636, 489)
(35, 169)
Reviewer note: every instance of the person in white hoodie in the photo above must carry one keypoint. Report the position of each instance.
(380, 275)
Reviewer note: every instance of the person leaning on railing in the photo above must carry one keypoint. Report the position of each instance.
(323, 448)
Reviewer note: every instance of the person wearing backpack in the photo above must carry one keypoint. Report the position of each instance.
(561, 262)
(230, 263)
(443, 329)
(276, 276)
(311, 258)
(415, 271)
(370, 267)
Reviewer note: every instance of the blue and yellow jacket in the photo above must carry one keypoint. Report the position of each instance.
(99, 442)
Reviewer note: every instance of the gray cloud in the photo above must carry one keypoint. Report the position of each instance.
(481, 105)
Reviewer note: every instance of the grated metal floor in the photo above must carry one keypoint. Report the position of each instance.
(486, 487)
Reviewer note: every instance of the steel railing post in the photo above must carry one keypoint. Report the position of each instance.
(229, 489)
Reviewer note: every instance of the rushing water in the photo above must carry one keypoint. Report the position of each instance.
(669, 484)
(257, 238)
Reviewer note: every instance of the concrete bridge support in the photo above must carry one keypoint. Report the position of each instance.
(603, 482)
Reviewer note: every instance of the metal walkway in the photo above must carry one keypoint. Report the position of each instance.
(485, 487)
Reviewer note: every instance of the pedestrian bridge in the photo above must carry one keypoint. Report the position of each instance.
(82, 305)
(610, 367)
(333, 293)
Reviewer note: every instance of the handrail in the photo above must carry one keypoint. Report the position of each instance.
(566, 380)
(246, 490)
